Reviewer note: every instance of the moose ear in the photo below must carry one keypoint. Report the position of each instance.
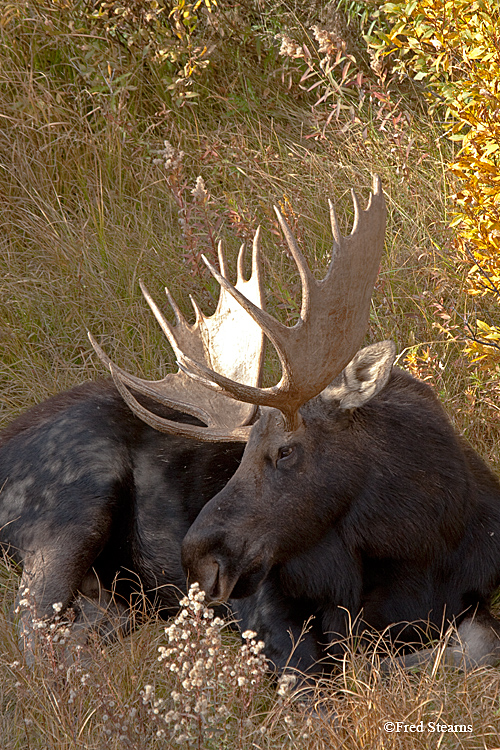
(365, 375)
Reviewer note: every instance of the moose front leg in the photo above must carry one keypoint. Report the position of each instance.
(41, 602)
(54, 575)
(99, 610)
(46, 589)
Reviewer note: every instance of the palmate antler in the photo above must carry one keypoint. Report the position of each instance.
(333, 318)
(228, 342)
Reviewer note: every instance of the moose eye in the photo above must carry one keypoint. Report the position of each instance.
(284, 452)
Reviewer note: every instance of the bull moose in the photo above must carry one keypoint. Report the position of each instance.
(94, 502)
(355, 498)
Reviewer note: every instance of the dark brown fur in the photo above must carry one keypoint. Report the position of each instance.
(94, 500)
(379, 515)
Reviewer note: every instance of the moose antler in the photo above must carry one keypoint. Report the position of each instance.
(332, 321)
(228, 342)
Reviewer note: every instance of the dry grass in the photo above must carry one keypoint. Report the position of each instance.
(85, 211)
(191, 684)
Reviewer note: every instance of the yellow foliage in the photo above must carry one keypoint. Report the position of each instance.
(454, 46)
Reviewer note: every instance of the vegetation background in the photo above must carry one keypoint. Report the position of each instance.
(110, 113)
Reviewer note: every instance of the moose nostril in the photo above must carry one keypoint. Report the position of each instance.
(208, 578)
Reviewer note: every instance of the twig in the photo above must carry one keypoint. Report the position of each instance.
(492, 287)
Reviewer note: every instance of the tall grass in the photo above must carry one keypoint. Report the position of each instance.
(90, 203)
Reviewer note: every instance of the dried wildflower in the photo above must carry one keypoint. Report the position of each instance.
(170, 157)
(329, 43)
(285, 684)
(200, 193)
(290, 48)
(209, 678)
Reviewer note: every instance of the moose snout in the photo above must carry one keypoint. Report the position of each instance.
(210, 579)
(203, 565)
(223, 568)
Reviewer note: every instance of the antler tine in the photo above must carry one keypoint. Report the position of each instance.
(334, 225)
(197, 310)
(305, 274)
(360, 216)
(229, 340)
(163, 322)
(241, 262)
(357, 211)
(376, 186)
(333, 318)
(222, 260)
(179, 318)
(256, 252)
(256, 270)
